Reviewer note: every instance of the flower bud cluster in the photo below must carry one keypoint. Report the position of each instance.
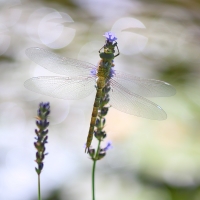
(99, 133)
(41, 132)
(102, 112)
(101, 152)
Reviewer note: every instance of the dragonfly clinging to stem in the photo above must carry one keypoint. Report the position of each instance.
(128, 93)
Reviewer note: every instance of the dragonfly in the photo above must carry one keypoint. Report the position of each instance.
(128, 93)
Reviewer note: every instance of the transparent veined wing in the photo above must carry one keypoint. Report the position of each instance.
(58, 64)
(144, 87)
(61, 87)
(125, 101)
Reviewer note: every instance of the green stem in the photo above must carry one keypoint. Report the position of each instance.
(39, 196)
(93, 179)
(93, 170)
(98, 148)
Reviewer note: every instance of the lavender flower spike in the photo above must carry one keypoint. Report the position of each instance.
(110, 36)
(41, 132)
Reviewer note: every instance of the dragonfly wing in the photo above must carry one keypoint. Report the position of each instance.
(125, 101)
(61, 87)
(144, 87)
(58, 64)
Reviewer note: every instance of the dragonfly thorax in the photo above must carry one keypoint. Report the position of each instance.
(106, 56)
(104, 69)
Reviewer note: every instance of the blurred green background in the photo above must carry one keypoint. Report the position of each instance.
(150, 160)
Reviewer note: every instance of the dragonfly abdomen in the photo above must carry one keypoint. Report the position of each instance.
(100, 86)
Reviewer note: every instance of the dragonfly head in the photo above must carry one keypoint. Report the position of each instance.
(109, 47)
(109, 51)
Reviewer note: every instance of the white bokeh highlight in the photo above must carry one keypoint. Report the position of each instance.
(130, 43)
(11, 13)
(47, 26)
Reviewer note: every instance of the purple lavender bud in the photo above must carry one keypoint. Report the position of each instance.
(106, 100)
(45, 140)
(41, 105)
(37, 132)
(108, 146)
(112, 73)
(98, 123)
(103, 121)
(43, 133)
(110, 36)
(37, 155)
(40, 166)
(91, 152)
(47, 113)
(104, 111)
(44, 124)
(45, 105)
(101, 154)
(106, 89)
(93, 72)
(104, 135)
(38, 123)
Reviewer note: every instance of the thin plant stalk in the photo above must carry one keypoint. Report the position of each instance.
(39, 196)
(93, 179)
(93, 171)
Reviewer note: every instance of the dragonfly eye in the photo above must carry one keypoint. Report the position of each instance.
(107, 56)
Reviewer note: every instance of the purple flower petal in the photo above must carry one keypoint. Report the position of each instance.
(112, 72)
(110, 36)
(93, 72)
(108, 146)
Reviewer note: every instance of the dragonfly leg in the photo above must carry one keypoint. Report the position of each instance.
(100, 49)
(117, 50)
